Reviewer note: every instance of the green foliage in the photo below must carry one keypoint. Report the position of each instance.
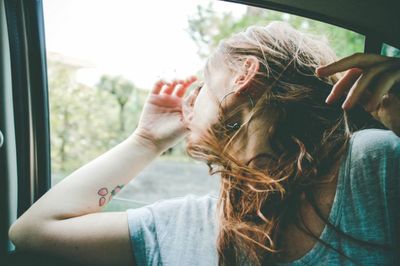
(121, 89)
(390, 50)
(207, 28)
(85, 121)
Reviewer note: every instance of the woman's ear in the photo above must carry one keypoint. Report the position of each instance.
(244, 78)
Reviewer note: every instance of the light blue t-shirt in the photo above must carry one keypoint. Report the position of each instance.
(183, 231)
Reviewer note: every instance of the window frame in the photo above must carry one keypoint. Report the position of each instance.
(29, 113)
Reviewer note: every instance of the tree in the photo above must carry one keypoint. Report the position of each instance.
(61, 82)
(81, 118)
(207, 28)
(122, 90)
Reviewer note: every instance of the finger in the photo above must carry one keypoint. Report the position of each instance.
(352, 95)
(192, 79)
(180, 91)
(191, 98)
(188, 99)
(358, 60)
(157, 87)
(169, 88)
(189, 80)
(343, 85)
(385, 83)
(188, 103)
(364, 83)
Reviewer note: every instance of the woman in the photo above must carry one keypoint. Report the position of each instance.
(298, 184)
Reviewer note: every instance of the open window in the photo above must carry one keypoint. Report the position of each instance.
(100, 71)
(62, 106)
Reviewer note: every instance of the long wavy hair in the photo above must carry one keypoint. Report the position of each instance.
(260, 198)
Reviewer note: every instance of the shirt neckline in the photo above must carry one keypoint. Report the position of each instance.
(333, 218)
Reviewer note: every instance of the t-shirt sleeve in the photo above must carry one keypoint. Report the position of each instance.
(144, 230)
(161, 231)
(376, 153)
(375, 180)
(143, 236)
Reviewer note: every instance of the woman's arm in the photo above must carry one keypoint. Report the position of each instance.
(88, 189)
(65, 221)
(373, 81)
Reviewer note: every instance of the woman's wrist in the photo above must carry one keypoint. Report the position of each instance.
(145, 142)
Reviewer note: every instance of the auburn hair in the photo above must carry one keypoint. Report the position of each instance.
(258, 201)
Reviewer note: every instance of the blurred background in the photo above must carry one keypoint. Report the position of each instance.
(103, 56)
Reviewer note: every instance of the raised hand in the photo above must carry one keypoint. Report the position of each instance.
(162, 122)
(368, 78)
(371, 80)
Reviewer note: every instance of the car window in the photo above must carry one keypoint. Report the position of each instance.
(390, 50)
(104, 56)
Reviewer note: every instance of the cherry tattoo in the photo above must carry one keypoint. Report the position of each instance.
(103, 192)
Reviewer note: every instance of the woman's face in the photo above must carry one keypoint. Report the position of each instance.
(219, 85)
(218, 81)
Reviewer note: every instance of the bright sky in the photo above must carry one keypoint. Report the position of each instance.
(141, 40)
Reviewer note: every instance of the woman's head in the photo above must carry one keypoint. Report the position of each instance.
(261, 122)
(248, 69)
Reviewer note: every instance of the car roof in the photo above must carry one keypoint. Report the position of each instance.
(379, 21)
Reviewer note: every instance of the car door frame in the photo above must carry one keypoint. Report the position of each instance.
(29, 118)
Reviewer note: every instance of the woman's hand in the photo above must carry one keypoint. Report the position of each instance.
(371, 80)
(162, 123)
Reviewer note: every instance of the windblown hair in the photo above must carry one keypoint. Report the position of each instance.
(258, 201)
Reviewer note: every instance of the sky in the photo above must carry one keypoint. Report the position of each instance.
(140, 40)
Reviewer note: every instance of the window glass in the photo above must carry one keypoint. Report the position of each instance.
(93, 43)
(390, 50)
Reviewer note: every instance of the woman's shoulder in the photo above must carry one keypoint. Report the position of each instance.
(374, 159)
(185, 206)
(178, 209)
(172, 225)
(374, 140)
(188, 201)
(374, 144)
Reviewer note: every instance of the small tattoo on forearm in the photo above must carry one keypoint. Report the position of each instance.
(103, 192)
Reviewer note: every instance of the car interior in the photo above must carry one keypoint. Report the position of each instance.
(25, 147)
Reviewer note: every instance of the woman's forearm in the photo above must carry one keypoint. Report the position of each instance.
(91, 187)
